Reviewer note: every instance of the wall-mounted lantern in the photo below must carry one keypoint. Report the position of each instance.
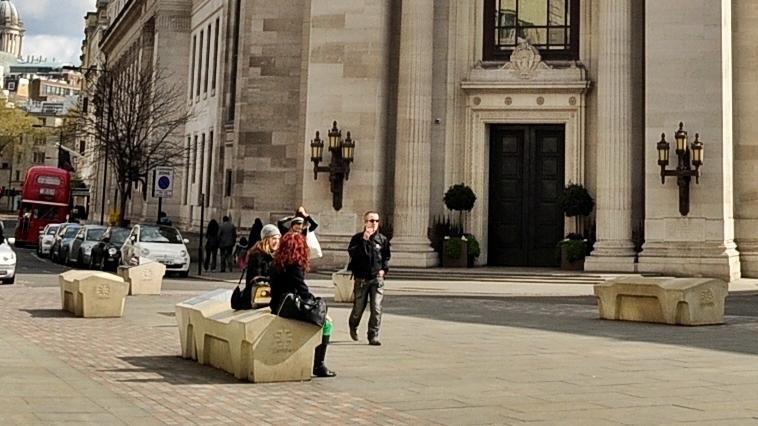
(683, 172)
(343, 152)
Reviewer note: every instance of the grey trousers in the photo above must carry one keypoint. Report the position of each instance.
(368, 291)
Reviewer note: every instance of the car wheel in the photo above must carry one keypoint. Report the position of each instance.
(20, 244)
(9, 280)
(39, 252)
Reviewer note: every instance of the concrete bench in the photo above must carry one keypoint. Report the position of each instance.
(92, 294)
(684, 301)
(146, 278)
(253, 344)
(343, 286)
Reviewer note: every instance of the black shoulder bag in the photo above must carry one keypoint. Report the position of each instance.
(311, 310)
(241, 299)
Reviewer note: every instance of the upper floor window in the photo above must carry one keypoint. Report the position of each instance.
(552, 26)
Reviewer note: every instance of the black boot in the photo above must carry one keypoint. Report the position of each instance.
(319, 367)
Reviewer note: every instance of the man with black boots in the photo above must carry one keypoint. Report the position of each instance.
(369, 261)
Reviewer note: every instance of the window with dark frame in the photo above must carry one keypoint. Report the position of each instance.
(228, 189)
(199, 63)
(194, 160)
(207, 60)
(551, 26)
(210, 170)
(215, 55)
(187, 170)
(192, 69)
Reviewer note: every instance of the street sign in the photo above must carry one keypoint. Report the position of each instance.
(163, 182)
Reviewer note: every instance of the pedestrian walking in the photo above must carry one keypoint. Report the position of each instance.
(255, 233)
(211, 246)
(288, 276)
(369, 261)
(227, 238)
(296, 222)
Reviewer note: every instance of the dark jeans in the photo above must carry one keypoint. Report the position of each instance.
(368, 291)
(226, 258)
(210, 257)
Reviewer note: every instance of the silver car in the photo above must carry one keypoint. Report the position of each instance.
(7, 262)
(81, 246)
(46, 238)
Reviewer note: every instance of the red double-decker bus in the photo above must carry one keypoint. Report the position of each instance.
(45, 199)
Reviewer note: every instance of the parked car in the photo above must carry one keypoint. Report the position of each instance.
(7, 262)
(161, 243)
(62, 244)
(57, 237)
(81, 246)
(46, 238)
(106, 254)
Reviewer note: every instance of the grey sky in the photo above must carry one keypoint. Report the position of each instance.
(54, 28)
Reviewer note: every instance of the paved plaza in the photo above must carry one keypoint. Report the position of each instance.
(454, 353)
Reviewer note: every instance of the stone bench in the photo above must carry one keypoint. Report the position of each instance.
(146, 278)
(253, 344)
(684, 301)
(343, 286)
(92, 294)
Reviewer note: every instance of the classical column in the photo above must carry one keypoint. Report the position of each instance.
(614, 250)
(410, 245)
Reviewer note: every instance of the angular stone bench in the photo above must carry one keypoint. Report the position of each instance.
(254, 344)
(92, 294)
(684, 301)
(343, 286)
(146, 278)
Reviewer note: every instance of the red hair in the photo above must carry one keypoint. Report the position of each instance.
(293, 250)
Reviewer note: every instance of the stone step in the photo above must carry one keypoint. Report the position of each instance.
(542, 276)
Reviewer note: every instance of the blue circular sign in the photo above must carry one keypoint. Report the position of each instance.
(164, 182)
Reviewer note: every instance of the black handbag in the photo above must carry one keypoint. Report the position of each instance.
(241, 298)
(311, 310)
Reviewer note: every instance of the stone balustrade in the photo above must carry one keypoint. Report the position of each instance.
(683, 301)
(253, 344)
(146, 278)
(92, 294)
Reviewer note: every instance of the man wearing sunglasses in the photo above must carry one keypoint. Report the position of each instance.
(369, 257)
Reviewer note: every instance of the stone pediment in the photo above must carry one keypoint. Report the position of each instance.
(526, 68)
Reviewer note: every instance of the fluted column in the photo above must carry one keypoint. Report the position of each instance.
(413, 147)
(614, 250)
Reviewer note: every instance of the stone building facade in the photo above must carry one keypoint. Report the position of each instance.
(515, 98)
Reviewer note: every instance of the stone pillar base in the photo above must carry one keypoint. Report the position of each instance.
(414, 253)
(691, 260)
(599, 263)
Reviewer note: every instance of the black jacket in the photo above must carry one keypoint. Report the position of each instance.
(368, 257)
(290, 280)
(258, 265)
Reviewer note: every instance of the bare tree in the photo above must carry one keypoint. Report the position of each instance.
(136, 125)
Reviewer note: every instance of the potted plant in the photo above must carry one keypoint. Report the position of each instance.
(571, 251)
(473, 250)
(460, 197)
(455, 252)
(576, 201)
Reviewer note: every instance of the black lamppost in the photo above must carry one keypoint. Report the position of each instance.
(683, 172)
(339, 167)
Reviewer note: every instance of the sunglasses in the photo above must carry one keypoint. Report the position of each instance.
(373, 220)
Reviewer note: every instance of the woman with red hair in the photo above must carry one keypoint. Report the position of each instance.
(288, 276)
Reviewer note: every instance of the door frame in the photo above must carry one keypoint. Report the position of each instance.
(483, 109)
(530, 136)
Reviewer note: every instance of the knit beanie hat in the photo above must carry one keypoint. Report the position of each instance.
(270, 231)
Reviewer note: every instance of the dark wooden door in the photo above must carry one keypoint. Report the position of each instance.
(526, 178)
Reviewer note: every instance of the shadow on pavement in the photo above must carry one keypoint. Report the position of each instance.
(174, 370)
(48, 313)
(579, 315)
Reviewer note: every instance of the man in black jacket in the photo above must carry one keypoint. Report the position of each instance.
(369, 257)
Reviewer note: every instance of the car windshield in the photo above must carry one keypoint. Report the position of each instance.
(162, 234)
(51, 230)
(119, 235)
(94, 234)
(71, 231)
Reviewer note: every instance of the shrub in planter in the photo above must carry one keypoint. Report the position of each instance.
(473, 249)
(454, 252)
(460, 197)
